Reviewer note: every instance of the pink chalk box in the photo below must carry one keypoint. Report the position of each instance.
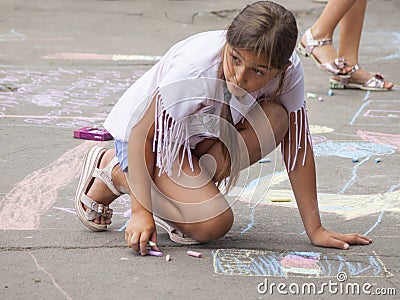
(90, 133)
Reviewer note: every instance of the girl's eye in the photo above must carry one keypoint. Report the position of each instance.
(259, 72)
(235, 58)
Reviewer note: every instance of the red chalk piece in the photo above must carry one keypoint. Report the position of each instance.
(194, 254)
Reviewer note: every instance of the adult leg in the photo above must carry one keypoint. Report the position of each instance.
(325, 25)
(351, 27)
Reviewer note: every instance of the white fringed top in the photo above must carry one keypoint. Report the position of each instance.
(189, 96)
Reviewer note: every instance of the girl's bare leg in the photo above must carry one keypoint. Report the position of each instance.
(99, 192)
(195, 206)
(205, 201)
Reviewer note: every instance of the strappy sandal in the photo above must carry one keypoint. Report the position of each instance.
(89, 173)
(175, 235)
(375, 83)
(334, 67)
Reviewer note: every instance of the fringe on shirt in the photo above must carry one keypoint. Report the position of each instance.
(300, 135)
(169, 137)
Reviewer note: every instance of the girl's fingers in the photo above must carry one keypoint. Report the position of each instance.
(357, 239)
(337, 243)
(133, 242)
(153, 238)
(343, 241)
(144, 240)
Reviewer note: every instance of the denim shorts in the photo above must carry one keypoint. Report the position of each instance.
(121, 151)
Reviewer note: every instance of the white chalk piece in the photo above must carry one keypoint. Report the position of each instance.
(311, 95)
(194, 254)
(377, 160)
(320, 99)
(151, 244)
(354, 160)
(168, 258)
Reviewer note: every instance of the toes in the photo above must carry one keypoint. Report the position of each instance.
(388, 85)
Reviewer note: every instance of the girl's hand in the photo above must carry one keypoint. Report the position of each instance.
(327, 238)
(140, 230)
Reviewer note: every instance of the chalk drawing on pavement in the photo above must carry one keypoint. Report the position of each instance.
(380, 138)
(378, 113)
(69, 98)
(297, 264)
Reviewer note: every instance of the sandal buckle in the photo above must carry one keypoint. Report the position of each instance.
(105, 211)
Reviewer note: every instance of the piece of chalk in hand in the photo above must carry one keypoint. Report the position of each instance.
(151, 244)
(154, 253)
(194, 254)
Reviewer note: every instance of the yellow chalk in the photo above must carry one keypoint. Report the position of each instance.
(281, 200)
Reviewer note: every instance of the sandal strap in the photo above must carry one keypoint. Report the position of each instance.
(96, 209)
(311, 43)
(105, 176)
(335, 66)
(355, 68)
(376, 82)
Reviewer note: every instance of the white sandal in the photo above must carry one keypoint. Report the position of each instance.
(89, 173)
(175, 235)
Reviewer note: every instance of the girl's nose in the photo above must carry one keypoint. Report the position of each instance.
(240, 75)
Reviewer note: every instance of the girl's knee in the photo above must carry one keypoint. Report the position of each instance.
(213, 229)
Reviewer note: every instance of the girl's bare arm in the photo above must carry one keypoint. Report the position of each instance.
(303, 181)
(141, 227)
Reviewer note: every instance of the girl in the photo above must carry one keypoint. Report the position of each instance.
(214, 104)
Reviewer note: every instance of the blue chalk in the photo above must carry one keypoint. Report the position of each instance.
(377, 160)
(264, 160)
(354, 160)
(330, 93)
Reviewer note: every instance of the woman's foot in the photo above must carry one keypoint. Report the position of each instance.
(361, 79)
(362, 76)
(320, 48)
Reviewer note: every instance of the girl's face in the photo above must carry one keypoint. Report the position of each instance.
(245, 71)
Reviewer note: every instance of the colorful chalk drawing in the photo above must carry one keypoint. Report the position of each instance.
(94, 56)
(380, 138)
(23, 206)
(378, 113)
(350, 206)
(66, 97)
(245, 262)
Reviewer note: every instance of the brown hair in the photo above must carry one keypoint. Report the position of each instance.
(270, 30)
